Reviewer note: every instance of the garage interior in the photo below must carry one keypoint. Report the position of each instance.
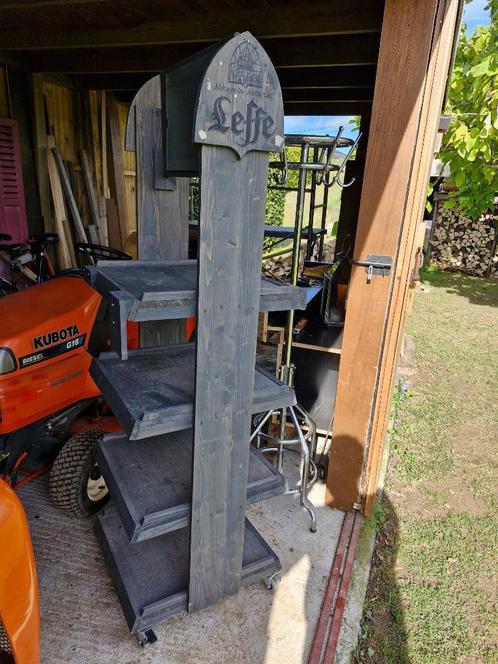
(70, 70)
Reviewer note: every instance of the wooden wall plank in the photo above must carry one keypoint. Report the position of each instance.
(116, 171)
(64, 248)
(40, 147)
(99, 221)
(94, 126)
(130, 168)
(405, 51)
(69, 196)
(112, 223)
(103, 145)
(61, 119)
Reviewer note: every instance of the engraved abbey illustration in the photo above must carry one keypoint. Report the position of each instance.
(245, 67)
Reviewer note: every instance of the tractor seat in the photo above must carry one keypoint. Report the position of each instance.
(15, 249)
(50, 238)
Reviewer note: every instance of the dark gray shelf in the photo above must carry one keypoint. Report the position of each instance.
(151, 481)
(151, 577)
(158, 290)
(152, 392)
(161, 290)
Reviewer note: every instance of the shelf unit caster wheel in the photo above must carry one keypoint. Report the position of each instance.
(146, 638)
(272, 581)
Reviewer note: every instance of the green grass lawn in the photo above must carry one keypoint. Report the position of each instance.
(432, 595)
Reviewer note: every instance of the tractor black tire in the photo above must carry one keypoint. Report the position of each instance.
(71, 473)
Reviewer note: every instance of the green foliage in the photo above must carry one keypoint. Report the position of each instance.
(275, 204)
(274, 216)
(470, 146)
(355, 122)
(195, 197)
(428, 205)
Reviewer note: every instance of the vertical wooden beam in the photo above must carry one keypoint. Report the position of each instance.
(409, 41)
(64, 248)
(446, 24)
(99, 221)
(162, 207)
(94, 126)
(230, 242)
(79, 229)
(234, 170)
(40, 146)
(103, 145)
(116, 167)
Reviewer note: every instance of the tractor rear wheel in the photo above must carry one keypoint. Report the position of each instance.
(76, 485)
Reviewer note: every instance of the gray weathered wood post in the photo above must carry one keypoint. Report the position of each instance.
(239, 120)
(162, 203)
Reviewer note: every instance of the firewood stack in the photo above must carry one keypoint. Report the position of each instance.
(280, 266)
(463, 244)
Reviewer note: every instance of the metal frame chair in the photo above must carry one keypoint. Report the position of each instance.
(305, 439)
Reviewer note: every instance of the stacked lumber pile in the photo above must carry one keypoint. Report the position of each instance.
(280, 266)
(464, 244)
(81, 156)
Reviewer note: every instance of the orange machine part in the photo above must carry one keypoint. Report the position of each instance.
(132, 333)
(47, 329)
(190, 325)
(19, 601)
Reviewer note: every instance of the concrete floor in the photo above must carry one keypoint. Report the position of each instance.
(82, 620)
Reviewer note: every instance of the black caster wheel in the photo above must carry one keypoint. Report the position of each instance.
(146, 638)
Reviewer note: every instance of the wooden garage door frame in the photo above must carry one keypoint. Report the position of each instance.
(415, 52)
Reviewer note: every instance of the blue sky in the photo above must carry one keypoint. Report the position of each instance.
(474, 14)
(319, 125)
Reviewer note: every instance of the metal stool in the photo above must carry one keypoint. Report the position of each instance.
(306, 439)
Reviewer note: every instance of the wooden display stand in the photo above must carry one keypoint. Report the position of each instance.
(176, 537)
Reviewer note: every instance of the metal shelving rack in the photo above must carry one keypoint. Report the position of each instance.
(181, 474)
(317, 163)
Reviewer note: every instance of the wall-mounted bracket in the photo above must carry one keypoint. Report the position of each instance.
(375, 264)
(120, 308)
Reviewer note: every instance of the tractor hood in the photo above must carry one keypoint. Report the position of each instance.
(47, 320)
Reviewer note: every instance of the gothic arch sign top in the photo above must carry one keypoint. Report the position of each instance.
(240, 101)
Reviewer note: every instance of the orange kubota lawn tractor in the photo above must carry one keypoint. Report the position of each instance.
(51, 414)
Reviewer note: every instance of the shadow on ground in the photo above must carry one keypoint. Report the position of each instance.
(82, 620)
(475, 289)
(384, 636)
